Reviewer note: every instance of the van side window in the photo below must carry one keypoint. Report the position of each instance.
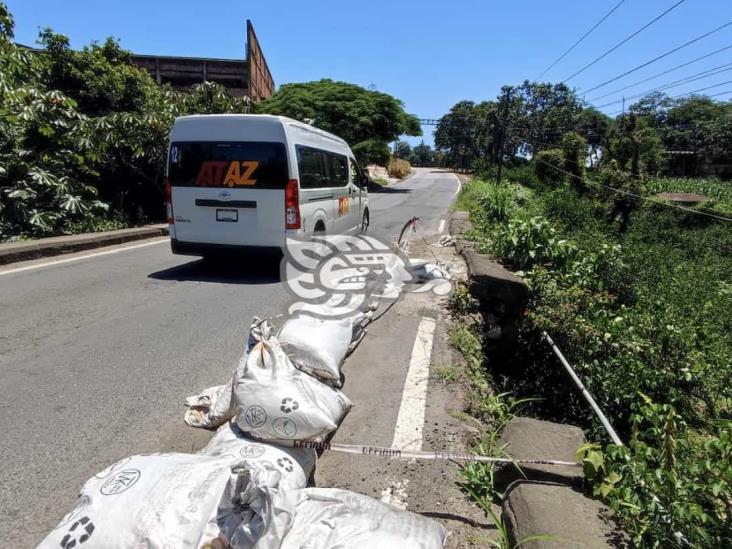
(355, 174)
(312, 168)
(339, 170)
(319, 168)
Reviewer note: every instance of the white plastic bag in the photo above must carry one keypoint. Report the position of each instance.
(329, 518)
(211, 408)
(163, 500)
(276, 401)
(318, 346)
(295, 464)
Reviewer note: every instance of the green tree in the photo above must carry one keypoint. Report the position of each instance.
(354, 113)
(701, 125)
(456, 134)
(595, 127)
(84, 132)
(100, 78)
(574, 150)
(622, 189)
(422, 155)
(541, 113)
(548, 166)
(372, 151)
(402, 150)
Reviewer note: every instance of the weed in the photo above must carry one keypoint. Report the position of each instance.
(447, 373)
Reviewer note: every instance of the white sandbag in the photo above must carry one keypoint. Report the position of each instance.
(329, 518)
(214, 406)
(211, 408)
(164, 500)
(422, 270)
(295, 464)
(276, 401)
(318, 346)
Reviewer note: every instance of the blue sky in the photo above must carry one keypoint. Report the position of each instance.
(428, 54)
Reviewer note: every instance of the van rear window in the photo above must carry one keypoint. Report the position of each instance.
(235, 164)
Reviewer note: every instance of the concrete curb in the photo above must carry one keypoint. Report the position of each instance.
(57, 245)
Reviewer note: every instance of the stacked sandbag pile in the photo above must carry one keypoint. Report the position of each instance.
(247, 487)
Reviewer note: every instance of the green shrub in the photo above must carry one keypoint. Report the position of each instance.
(524, 243)
(547, 166)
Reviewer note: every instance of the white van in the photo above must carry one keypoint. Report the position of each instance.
(245, 181)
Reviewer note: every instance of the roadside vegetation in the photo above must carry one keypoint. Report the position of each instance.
(398, 168)
(83, 133)
(644, 316)
(636, 294)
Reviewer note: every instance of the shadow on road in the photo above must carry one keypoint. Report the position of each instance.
(465, 520)
(230, 270)
(388, 190)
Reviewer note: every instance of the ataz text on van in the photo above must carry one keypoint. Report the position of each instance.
(238, 182)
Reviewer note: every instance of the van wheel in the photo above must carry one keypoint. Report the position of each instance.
(365, 222)
(319, 228)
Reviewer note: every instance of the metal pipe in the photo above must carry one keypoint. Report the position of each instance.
(585, 393)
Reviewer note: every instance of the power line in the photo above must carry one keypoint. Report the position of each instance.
(577, 43)
(636, 33)
(692, 93)
(626, 73)
(688, 79)
(634, 195)
(661, 73)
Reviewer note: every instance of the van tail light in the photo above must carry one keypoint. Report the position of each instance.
(292, 205)
(169, 202)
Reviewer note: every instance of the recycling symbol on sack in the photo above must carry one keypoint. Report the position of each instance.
(289, 405)
(79, 532)
(285, 463)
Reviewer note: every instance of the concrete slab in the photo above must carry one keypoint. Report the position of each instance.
(527, 438)
(560, 516)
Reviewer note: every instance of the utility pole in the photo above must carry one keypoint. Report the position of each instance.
(502, 134)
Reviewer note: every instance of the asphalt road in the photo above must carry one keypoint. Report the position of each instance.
(97, 355)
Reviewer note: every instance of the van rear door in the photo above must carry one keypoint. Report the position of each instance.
(229, 193)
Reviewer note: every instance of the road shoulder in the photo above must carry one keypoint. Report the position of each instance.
(376, 377)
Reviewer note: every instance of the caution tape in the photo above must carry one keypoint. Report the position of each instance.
(398, 453)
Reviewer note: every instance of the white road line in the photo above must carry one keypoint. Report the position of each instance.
(441, 229)
(80, 257)
(460, 185)
(410, 421)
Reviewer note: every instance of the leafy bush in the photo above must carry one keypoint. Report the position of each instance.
(524, 243)
(398, 168)
(671, 486)
(547, 166)
(644, 318)
(84, 132)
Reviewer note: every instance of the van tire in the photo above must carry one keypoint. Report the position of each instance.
(365, 222)
(319, 228)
